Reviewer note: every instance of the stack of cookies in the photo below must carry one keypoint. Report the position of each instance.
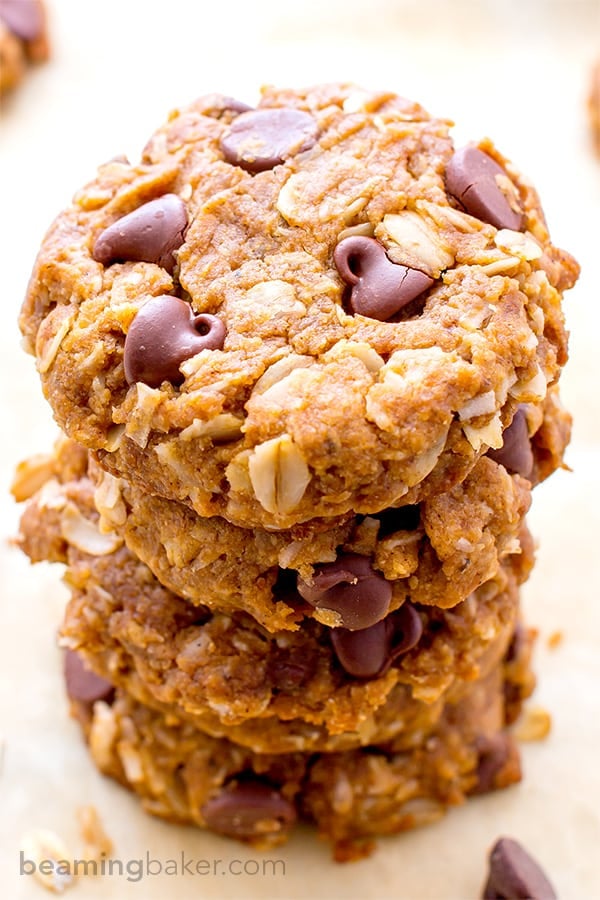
(306, 359)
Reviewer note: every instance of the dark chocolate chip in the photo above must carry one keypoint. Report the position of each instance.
(371, 651)
(150, 233)
(476, 181)
(264, 138)
(407, 630)
(363, 653)
(23, 17)
(351, 588)
(164, 334)
(217, 104)
(289, 668)
(515, 875)
(493, 754)
(518, 644)
(515, 454)
(82, 684)
(380, 287)
(247, 809)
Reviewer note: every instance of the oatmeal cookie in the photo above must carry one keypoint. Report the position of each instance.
(23, 39)
(310, 308)
(186, 776)
(316, 687)
(436, 552)
(348, 573)
(230, 678)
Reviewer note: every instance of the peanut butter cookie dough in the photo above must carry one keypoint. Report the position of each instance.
(23, 39)
(186, 776)
(315, 307)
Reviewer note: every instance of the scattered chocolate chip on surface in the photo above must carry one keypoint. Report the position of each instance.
(515, 875)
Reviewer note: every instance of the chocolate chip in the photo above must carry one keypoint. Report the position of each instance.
(480, 184)
(264, 138)
(82, 684)
(150, 233)
(23, 17)
(369, 652)
(164, 334)
(515, 454)
(518, 644)
(290, 668)
(407, 630)
(363, 653)
(380, 288)
(247, 809)
(493, 754)
(351, 588)
(218, 104)
(515, 875)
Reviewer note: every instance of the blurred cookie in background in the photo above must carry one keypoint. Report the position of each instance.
(23, 39)
(594, 105)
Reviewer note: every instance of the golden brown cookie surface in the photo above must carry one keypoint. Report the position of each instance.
(318, 686)
(186, 776)
(298, 310)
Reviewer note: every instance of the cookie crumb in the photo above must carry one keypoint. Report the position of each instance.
(97, 843)
(534, 724)
(52, 862)
(555, 639)
(31, 475)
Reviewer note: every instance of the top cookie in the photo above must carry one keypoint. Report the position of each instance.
(289, 312)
